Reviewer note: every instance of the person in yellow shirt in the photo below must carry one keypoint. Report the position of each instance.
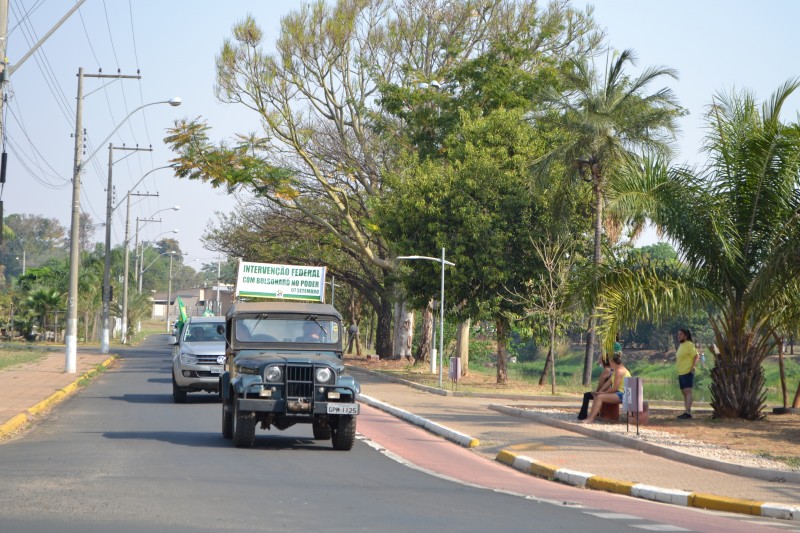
(685, 360)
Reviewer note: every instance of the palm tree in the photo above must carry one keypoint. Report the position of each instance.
(607, 118)
(43, 302)
(737, 224)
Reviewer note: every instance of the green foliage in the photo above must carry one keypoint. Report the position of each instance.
(737, 227)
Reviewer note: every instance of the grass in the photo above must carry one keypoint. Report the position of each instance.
(12, 354)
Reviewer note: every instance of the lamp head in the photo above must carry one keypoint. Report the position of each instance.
(175, 101)
(176, 208)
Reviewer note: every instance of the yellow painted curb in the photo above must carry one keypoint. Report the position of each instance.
(722, 503)
(506, 457)
(13, 425)
(610, 485)
(543, 470)
(474, 443)
(48, 402)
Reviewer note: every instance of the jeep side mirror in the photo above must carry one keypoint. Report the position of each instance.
(221, 329)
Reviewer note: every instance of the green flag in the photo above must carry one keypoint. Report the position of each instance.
(182, 309)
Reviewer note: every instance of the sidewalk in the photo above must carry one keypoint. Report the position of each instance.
(521, 442)
(30, 389)
(567, 453)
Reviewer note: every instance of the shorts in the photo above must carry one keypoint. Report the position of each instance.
(686, 381)
(621, 395)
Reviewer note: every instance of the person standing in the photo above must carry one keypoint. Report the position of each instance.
(685, 360)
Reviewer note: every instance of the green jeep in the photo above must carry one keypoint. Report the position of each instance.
(284, 367)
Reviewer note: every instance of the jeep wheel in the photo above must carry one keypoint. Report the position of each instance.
(227, 418)
(244, 427)
(178, 395)
(344, 433)
(322, 429)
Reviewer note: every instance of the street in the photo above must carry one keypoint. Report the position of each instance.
(121, 455)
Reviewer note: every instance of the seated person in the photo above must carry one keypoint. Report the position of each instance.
(197, 334)
(619, 373)
(604, 384)
(312, 332)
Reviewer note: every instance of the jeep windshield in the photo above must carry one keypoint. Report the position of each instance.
(265, 328)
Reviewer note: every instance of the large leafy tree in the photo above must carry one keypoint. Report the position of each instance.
(737, 224)
(322, 151)
(607, 116)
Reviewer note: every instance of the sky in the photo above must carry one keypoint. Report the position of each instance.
(714, 45)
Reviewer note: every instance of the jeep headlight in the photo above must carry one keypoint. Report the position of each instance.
(188, 359)
(324, 375)
(273, 374)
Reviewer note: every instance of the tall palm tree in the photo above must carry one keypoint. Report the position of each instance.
(608, 117)
(737, 224)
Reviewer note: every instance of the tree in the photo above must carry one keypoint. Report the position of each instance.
(480, 208)
(324, 151)
(42, 304)
(548, 294)
(607, 117)
(737, 224)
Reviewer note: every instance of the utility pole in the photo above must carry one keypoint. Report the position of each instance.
(124, 334)
(105, 334)
(71, 336)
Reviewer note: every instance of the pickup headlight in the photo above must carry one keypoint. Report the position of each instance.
(273, 374)
(324, 375)
(188, 359)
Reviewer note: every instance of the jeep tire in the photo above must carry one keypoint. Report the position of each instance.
(227, 418)
(344, 432)
(321, 428)
(244, 427)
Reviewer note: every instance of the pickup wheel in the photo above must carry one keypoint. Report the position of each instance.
(344, 433)
(178, 395)
(227, 418)
(321, 428)
(244, 427)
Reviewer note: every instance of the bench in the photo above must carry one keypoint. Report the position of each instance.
(610, 412)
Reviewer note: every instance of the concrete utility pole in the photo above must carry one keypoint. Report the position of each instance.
(105, 334)
(124, 334)
(71, 336)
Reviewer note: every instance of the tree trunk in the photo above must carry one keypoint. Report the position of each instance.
(796, 402)
(782, 373)
(597, 189)
(462, 345)
(383, 331)
(404, 331)
(546, 370)
(426, 336)
(502, 334)
(553, 358)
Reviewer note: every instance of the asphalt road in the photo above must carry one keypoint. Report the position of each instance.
(121, 456)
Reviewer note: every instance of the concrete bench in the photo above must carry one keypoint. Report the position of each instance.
(610, 411)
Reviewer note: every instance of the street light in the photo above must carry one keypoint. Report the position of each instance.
(441, 308)
(136, 245)
(124, 334)
(141, 255)
(71, 337)
(169, 289)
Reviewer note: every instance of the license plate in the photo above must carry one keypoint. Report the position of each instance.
(342, 408)
(216, 370)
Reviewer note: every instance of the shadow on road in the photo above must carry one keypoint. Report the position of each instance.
(215, 440)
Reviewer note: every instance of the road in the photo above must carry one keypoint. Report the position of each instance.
(121, 456)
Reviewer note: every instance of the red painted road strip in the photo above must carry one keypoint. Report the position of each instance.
(435, 454)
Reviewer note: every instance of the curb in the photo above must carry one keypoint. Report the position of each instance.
(652, 449)
(531, 466)
(445, 432)
(19, 421)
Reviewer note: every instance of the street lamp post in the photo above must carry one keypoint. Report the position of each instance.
(169, 288)
(124, 334)
(441, 307)
(142, 268)
(71, 334)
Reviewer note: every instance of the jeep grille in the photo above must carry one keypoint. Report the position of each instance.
(299, 382)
